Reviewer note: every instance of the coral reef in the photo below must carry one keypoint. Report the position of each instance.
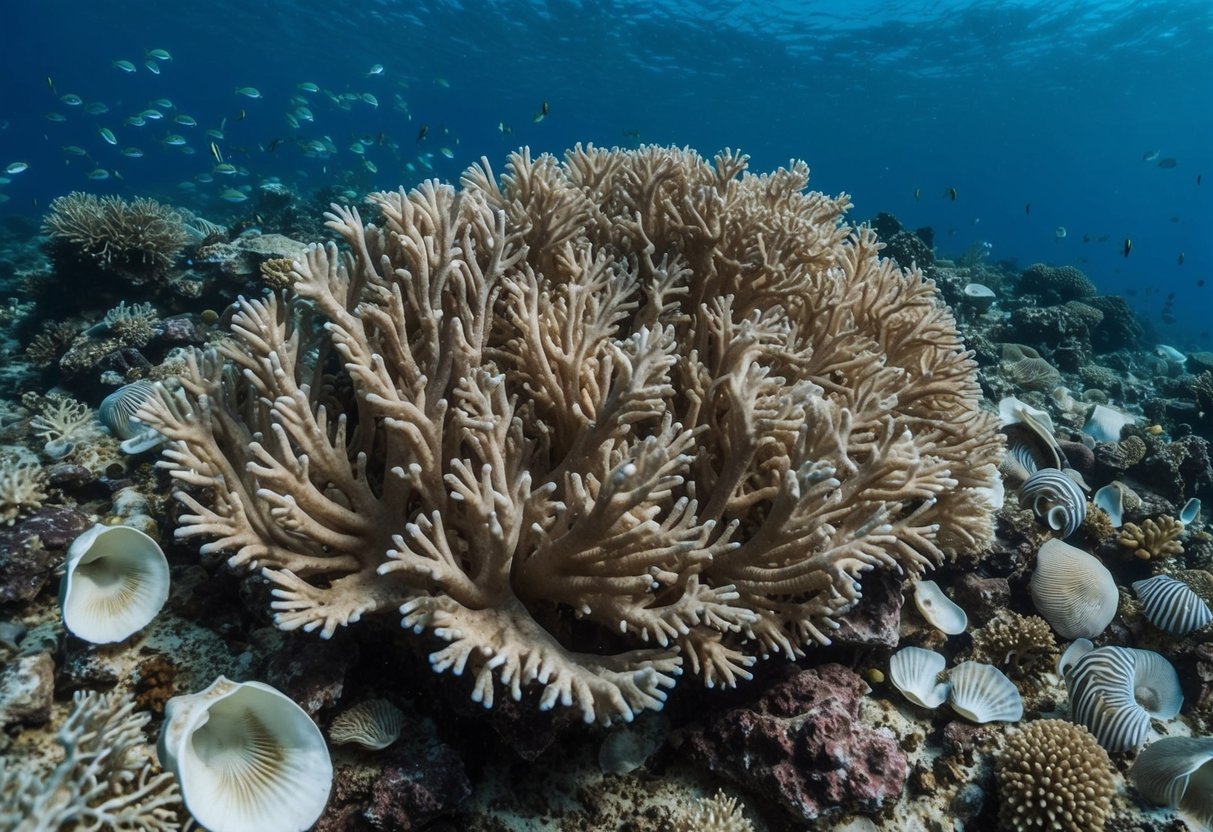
(22, 487)
(1052, 774)
(136, 239)
(1056, 284)
(1154, 539)
(681, 402)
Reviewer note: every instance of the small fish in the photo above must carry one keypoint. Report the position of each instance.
(234, 196)
(423, 132)
(542, 114)
(134, 121)
(159, 54)
(1027, 208)
(442, 82)
(380, 139)
(1168, 163)
(57, 117)
(50, 82)
(308, 86)
(225, 168)
(71, 99)
(248, 92)
(96, 108)
(215, 152)
(1198, 178)
(17, 167)
(377, 69)
(125, 66)
(274, 145)
(205, 178)
(291, 121)
(370, 99)
(75, 150)
(369, 165)
(1200, 283)
(185, 121)
(304, 114)
(447, 152)
(212, 133)
(174, 140)
(917, 193)
(952, 194)
(98, 173)
(132, 152)
(162, 103)
(152, 115)
(152, 67)
(1149, 156)
(1128, 246)
(1181, 258)
(107, 135)
(358, 147)
(240, 116)
(1060, 232)
(1086, 238)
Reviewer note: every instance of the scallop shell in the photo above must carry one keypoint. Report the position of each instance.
(1073, 591)
(115, 581)
(1164, 772)
(373, 724)
(246, 758)
(1056, 497)
(1114, 692)
(915, 672)
(938, 609)
(1172, 606)
(117, 413)
(982, 693)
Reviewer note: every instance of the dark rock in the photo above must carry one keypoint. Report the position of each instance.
(69, 475)
(981, 598)
(909, 250)
(30, 550)
(803, 745)
(27, 690)
(312, 670)
(1080, 457)
(875, 621)
(886, 225)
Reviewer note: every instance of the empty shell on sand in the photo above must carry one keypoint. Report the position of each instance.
(115, 581)
(1172, 606)
(246, 758)
(938, 609)
(1178, 772)
(982, 693)
(1073, 591)
(1115, 691)
(915, 672)
(1056, 498)
(373, 724)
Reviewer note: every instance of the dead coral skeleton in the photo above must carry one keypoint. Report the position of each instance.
(588, 422)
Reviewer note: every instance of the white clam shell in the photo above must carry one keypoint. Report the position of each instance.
(115, 581)
(1111, 498)
(982, 693)
(938, 609)
(246, 758)
(915, 672)
(1105, 423)
(1073, 591)
(1178, 772)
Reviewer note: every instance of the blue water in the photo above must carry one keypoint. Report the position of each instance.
(1010, 103)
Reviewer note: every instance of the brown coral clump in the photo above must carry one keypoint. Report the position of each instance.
(1154, 539)
(1053, 774)
(277, 272)
(137, 239)
(1020, 645)
(587, 422)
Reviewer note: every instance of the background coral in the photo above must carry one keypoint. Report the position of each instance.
(137, 239)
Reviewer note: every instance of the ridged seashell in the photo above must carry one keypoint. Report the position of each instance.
(915, 672)
(1073, 591)
(1057, 498)
(246, 758)
(115, 581)
(980, 296)
(1035, 427)
(1078, 648)
(1111, 498)
(117, 413)
(1114, 691)
(373, 724)
(982, 693)
(1177, 772)
(938, 609)
(1190, 512)
(1105, 423)
(1172, 606)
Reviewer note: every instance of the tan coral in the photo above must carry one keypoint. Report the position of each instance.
(1052, 774)
(1155, 539)
(1021, 645)
(22, 487)
(718, 813)
(677, 401)
(137, 239)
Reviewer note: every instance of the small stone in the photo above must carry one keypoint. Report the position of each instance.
(27, 690)
(981, 597)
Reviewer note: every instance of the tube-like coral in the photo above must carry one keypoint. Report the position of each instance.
(681, 404)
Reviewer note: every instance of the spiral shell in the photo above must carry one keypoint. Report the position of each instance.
(1056, 498)
(1114, 691)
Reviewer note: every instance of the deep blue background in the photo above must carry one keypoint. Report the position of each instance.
(1009, 103)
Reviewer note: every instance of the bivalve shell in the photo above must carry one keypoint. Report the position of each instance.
(115, 581)
(915, 672)
(1172, 606)
(1177, 772)
(373, 724)
(1073, 591)
(981, 693)
(938, 609)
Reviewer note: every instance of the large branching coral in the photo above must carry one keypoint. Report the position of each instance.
(137, 239)
(586, 422)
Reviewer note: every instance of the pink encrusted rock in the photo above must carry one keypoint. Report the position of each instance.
(803, 745)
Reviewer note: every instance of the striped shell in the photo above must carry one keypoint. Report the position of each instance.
(1073, 591)
(117, 413)
(373, 724)
(1165, 770)
(981, 693)
(1172, 606)
(1114, 691)
(938, 609)
(915, 672)
(1056, 498)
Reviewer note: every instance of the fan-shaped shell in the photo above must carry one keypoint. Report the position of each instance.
(1073, 591)
(1178, 772)
(1172, 606)
(981, 693)
(938, 609)
(373, 724)
(115, 581)
(1111, 498)
(117, 413)
(246, 758)
(915, 672)
(1114, 691)
(1056, 497)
